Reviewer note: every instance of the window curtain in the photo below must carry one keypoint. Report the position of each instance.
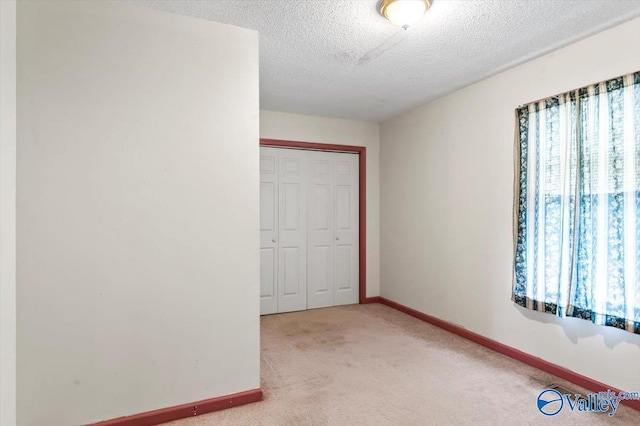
(577, 204)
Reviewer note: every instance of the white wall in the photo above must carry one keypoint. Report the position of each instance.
(137, 233)
(305, 128)
(446, 196)
(7, 212)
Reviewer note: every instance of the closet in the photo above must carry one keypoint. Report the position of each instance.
(308, 229)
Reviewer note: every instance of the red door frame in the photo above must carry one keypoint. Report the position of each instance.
(362, 202)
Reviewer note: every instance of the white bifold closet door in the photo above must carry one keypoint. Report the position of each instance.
(308, 229)
(333, 229)
(283, 230)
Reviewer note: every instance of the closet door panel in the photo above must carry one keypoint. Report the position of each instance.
(292, 223)
(268, 230)
(346, 289)
(321, 229)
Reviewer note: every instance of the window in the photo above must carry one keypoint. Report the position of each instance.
(577, 204)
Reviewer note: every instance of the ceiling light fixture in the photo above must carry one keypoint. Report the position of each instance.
(404, 12)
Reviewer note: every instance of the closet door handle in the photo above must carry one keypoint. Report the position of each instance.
(273, 240)
(337, 238)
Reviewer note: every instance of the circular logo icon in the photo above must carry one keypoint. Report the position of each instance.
(550, 402)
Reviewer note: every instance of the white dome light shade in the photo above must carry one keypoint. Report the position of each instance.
(404, 12)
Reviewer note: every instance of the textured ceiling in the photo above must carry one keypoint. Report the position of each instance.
(340, 58)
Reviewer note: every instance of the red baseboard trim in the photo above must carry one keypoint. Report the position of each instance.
(183, 411)
(374, 299)
(539, 363)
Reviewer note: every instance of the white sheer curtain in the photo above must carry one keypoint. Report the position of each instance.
(577, 204)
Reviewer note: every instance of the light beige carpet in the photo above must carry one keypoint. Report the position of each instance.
(373, 365)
